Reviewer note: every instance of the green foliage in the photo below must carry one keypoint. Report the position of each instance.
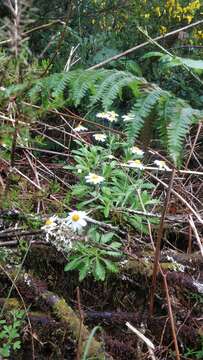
(170, 61)
(5, 253)
(111, 87)
(195, 353)
(141, 111)
(10, 333)
(122, 187)
(182, 117)
(180, 75)
(50, 90)
(172, 116)
(109, 30)
(88, 343)
(117, 89)
(95, 257)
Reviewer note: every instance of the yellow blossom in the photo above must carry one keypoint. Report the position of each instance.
(157, 10)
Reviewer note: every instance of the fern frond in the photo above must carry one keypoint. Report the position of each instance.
(59, 82)
(173, 116)
(115, 90)
(108, 89)
(86, 81)
(165, 108)
(181, 118)
(111, 77)
(140, 111)
(174, 119)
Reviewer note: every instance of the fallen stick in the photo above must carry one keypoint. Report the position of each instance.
(129, 51)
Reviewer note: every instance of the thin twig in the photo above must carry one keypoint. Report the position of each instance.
(189, 172)
(158, 243)
(197, 216)
(104, 225)
(172, 218)
(170, 313)
(129, 51)
(192, 224)
(81, 316)
(42, 150)
(193, 145)
(148, 342)
(13, 282)
(17, 233)
(60, 40)
(37, 28)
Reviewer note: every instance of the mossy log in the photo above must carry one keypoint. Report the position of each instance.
(179, 268)
(59, 307)
(65, 313)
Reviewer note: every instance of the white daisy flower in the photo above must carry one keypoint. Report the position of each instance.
(76, 220)
(94, 178)
(112, 116)
(100, 137)
(101, 115)
(50, 227)
(50, 223)
(127, 118)
(161, 164)
(136, 150)
(135, 164)
(109, 115)
(80, 128)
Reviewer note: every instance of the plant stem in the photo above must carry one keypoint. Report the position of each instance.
(158, 243)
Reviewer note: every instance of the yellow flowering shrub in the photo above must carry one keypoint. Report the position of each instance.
(198, 34)
(177, 11)
(174, 10)
(158, 16)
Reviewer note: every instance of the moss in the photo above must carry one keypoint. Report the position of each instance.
(170, 266)
(65, 313)
(11, 303)
(140, 266)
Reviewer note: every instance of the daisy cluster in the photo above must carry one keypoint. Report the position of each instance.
(109, 115)
(135, 163)
(62, 232)
(136, 152)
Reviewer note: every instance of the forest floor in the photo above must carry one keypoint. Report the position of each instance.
(68, 319)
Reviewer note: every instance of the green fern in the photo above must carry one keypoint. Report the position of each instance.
(111, 86)
(141, 111)
(172, 116)
(175, 117)
(181, 118)
(165, 108)
(86, 82)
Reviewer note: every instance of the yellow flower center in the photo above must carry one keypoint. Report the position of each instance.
(137, 161)
(162, 163)
(75, 217)
(94, 177)
(49, 222)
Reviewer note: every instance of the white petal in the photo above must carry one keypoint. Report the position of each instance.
(83, 222)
